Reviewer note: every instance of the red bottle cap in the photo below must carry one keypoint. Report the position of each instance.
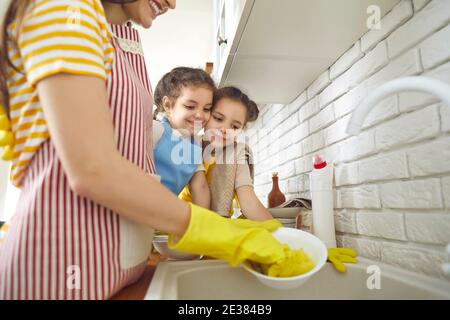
(319, 163)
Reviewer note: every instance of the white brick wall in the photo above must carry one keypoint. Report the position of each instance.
(345, 221)
(422, 124)
(433, 17)
(445, 118)
(413, 100)
(428, 227)
(318, 85)
(346, 60)
(366, 196)
(348, 102)
(407, 64)
(322, 119)
(446, 191)
(430, 158)
(392, 181)
(309, 109)
(384, 110)
(435, 50)
(419, 194)
(419, 4)
(414, 258)
(388, 225)
(357, 147)
(388, 166)
(390, 22)
(365, 247)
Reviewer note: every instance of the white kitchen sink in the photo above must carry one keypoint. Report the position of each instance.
(216, 280)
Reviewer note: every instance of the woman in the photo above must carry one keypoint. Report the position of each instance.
(79, 104)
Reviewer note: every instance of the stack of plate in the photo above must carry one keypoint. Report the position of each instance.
(285, 215)
(288, 223)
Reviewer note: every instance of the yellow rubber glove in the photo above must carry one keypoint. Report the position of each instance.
(337, 256)
(237, 240)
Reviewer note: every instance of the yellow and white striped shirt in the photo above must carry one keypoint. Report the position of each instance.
(70, 36)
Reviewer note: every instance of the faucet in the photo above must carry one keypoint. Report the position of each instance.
(415, 83)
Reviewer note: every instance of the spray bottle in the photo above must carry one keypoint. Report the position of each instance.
(321, 183)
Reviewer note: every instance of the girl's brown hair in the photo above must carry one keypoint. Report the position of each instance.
(172, 82)
(15, 12)
(236, 94)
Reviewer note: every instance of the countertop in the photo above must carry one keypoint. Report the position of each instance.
(137, 290)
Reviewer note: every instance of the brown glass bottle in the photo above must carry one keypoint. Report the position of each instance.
(275, 197)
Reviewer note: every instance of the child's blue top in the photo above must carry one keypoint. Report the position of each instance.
(176, 158)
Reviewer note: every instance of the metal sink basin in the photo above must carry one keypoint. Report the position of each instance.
(216, 280)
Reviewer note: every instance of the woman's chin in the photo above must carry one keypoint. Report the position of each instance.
(145, 21)
(146, 24)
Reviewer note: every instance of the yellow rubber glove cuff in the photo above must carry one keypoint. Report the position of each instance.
(237, 240)
(232, 240)
(337, 256)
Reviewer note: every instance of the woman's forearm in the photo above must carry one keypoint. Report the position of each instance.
(128, 190)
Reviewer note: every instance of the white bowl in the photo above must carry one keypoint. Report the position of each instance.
(160, 244)
(284, 212)
(295, 239)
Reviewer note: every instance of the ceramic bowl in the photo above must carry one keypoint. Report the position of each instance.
(160, 244)
(295, 239)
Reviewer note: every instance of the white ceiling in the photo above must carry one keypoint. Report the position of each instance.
(276, 61)
(181, 37)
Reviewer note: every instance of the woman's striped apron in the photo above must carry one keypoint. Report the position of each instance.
(62, 246)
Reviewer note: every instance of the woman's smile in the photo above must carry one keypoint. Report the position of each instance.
(155, 8)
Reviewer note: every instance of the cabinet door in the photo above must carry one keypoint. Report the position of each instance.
(230, 19)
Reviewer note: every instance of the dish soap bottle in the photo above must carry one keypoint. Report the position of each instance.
(321, 183)
(275, 197)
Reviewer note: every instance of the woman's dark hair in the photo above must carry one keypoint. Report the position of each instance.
(236, 94)
(172, 82)
(15, 12)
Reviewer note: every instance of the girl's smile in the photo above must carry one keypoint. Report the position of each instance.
(191, 110)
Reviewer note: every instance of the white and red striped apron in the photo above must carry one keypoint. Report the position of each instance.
(62, 246)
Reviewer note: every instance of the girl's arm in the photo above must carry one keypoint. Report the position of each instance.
(200, 190)
(250, 205)
(81, 128)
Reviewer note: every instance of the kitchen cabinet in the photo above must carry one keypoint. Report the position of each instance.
(274, 49)
(230, 19)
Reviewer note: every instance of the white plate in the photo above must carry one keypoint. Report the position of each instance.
(284, 212)
(286, 220)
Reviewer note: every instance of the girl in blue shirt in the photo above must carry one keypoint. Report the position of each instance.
(183, 98)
